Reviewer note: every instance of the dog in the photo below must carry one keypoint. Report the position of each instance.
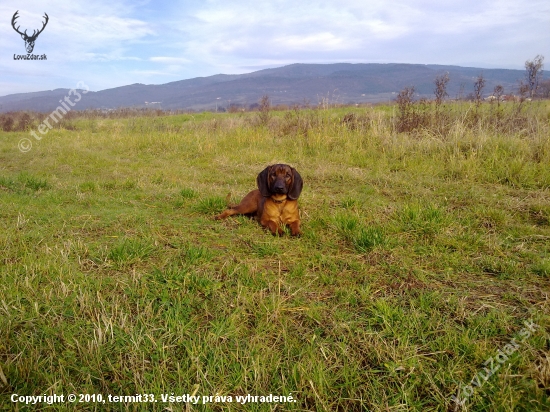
(274, 203)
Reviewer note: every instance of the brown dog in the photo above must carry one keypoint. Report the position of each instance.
(274, 203)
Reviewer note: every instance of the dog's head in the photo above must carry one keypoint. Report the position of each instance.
(280, 179)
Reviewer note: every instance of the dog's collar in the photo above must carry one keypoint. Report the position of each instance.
(279, 201)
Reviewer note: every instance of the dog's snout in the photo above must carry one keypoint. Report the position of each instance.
(279, 187)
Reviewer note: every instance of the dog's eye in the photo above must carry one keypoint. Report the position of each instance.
(288, 176)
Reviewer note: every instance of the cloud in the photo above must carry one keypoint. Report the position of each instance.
(100, 29)
(372, 31)
(321, 40)
(120, 42)
(148, 73)
(170, 60)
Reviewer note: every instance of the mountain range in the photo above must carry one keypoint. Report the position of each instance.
(293, 84)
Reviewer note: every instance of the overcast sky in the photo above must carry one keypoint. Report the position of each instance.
(114, 43)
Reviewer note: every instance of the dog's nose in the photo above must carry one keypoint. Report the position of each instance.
(280, 189)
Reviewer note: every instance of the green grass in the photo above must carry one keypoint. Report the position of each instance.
(422, 255)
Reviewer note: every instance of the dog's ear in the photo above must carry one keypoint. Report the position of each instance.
(262, 182)
(297, 184)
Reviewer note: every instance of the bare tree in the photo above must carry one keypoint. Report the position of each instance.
(534, 73)
(441, 88)
(406, 119)
(497, 93)
(478, 89)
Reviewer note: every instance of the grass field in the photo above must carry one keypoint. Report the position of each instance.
(423, 255)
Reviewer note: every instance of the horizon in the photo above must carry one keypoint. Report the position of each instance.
(111, 44)
(267, 68)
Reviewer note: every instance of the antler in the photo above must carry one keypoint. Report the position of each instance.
(34, 33)
(43, 25)
(15, 16)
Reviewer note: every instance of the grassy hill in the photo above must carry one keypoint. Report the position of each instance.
(423, 254)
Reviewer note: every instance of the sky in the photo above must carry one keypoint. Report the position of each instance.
(107, 44)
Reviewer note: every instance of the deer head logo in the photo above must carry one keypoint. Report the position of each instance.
(29, 40)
